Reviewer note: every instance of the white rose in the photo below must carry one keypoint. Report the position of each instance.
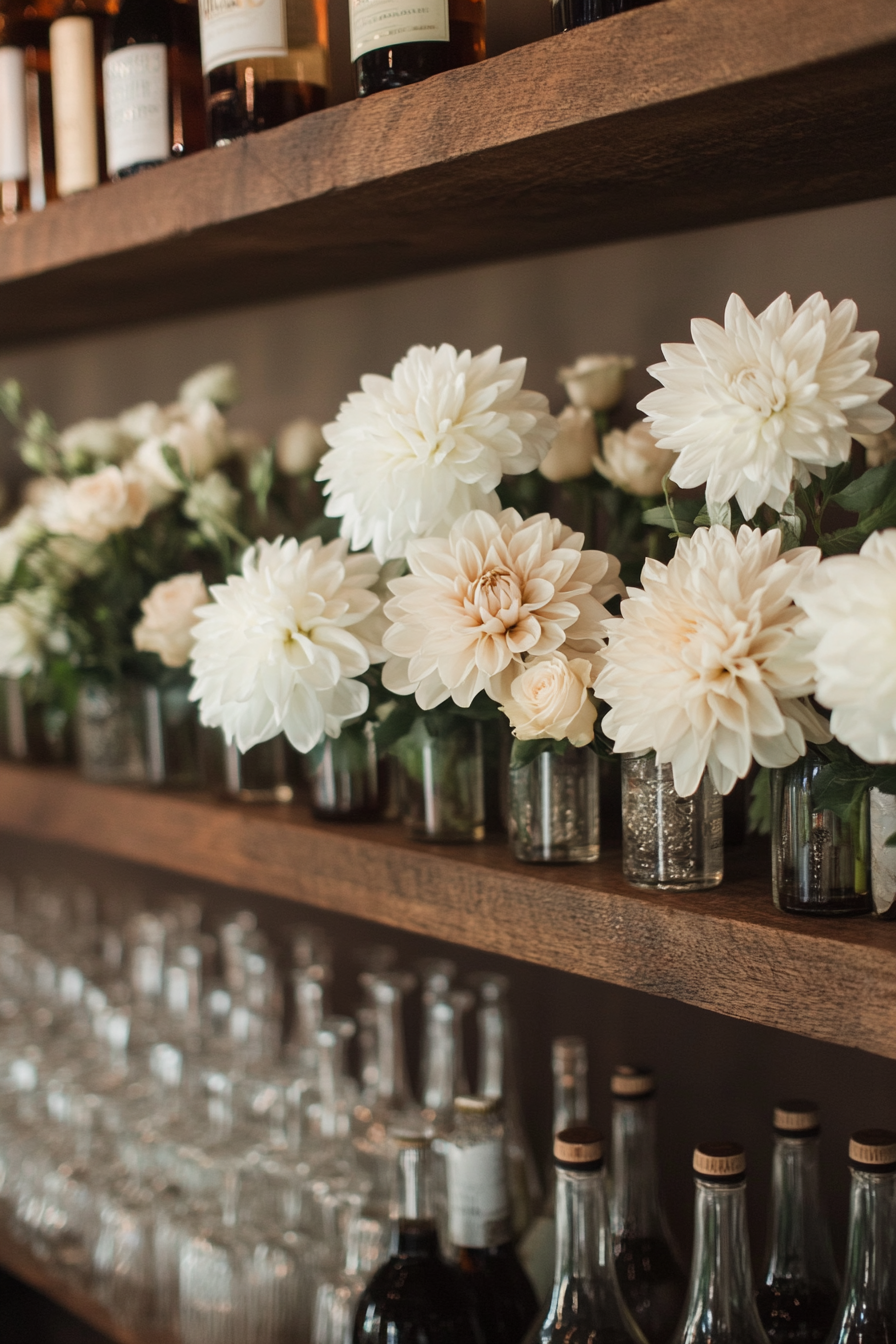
(218, 384)
(300, 446)
(142, 421)
(596, 381)
(21, 640)
(571, 455)
(105, 502)
(212, 499)
(549, 698)
(104, 440)
(879, 448)
(631, 459)
(169, 618)
(198, 437)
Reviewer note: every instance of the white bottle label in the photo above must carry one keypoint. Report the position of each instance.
(240, 30)
(135, 85)
(478, 1208)
(13, 137)
(74, 104)
(385, 23)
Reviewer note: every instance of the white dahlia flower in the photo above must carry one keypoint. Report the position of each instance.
(633, 460)
(279, 646)
(169, 615)
(707, 664)
(851, 604)
(549, 699)
(496, 590)
(764, 401)
(411, 453)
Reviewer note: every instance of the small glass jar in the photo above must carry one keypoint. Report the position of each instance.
(259, 775)
(110, 729)
(820, 864)
(882, 808)
(555, 805)
(444, 791)
(173, 754)
(342, 772)
(31, 731)
(669, 843)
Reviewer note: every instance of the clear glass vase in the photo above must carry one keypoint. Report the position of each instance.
(259, 775)
(882, 808)
(31, 731)
(444, 791)
(669, 843)
(555, 806)
(110, 729)
(820, 864)
(343, 775)
(173, 755)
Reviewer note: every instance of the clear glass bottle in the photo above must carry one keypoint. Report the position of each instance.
(110, 729)
(652, 1280)
(416, 1297)
(343, 775)
(392, 46)
(669, 843)
(444, 792)
(820, 864)
(26, 29)
(172, 736)
(586, 1305)
(721, 1302)
(867, 1310)
(259, 775)
(442, 1072)
(555, 806)
(392, 1104)
(798, 1296)
(479, 1225)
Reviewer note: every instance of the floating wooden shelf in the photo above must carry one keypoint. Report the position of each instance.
(728, 950)
(678, 115)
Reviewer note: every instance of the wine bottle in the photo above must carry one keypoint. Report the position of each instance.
(153, 98)
(586, 1305)
(721, 1303)
(79, 38)
(26, 29)
(866, 1313)
(479, 1224)
(264, 64)
(13, 133)
(393, 1104)
(416, 1297)
(798, 1296)
(566, 14)
(393, 46)
(650, 1274)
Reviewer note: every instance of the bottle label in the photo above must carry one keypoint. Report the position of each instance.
(241, 30)
(135, 85)
(478, 1208)
(74, 104)
(13, 138)
(385, 23)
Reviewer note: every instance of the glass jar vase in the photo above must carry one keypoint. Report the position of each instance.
(173, 754)
(259, 775)
(669, 843)
(882, 809)
(443, 795)
(31, 731)
(554, 804)
(110, 731)
(343, 775)
(820, 864)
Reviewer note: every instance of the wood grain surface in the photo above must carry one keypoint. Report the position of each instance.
(678, 115)
(728, 950)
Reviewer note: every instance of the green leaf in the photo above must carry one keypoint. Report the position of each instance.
(175, 466)
(11, 399)
(397, 724)
(261, 478)
(868, 491)
(760, 811)
(679, 517)
(719, 513)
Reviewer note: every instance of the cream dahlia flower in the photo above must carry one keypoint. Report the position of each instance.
(278, 648)
(495, 591)
(169, 615)
(851, 604)
(549, 698)
(571, 455)
(633, 460)
(596, 381)
(764, 401)
(707, 664)
(411, 453)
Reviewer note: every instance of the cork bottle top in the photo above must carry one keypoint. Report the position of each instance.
(408, 1139)
(632, 1080)
(873, 1149)
(579, 1146)
(797, 1117)
(477, 1105)
(720, 1161)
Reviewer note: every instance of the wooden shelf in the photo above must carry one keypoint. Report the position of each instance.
(728, 950)
(678, 115)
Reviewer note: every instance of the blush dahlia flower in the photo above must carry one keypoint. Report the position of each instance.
(764, 401)
(707, 664)
(495, 591)
(280, 645)
(411, 453)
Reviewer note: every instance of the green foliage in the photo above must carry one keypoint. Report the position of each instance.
(525, 752)
(261, 478)
(841, 784)
(759, 814)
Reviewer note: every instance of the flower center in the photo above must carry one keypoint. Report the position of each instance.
(497, 593)
(761, 393)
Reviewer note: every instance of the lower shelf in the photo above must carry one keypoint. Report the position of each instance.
(727, 950)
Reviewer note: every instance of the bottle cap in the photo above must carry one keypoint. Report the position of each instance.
(720, 1161)
(579, 1148)
(797, 1117)
(632, 1080)
(407, 1139)
(477, 1105)
(873, 1150)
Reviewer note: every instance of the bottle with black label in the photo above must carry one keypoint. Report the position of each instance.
(866, 1313)
(566, 14)
(264, 64)
(798, 1296)
(479, 1223)
(393, 45)
(26, 107)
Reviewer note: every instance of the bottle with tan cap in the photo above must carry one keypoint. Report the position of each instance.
(651, 1277)
(798, 1296)
(867, 1310)
(721, 1305)
(586, 1305)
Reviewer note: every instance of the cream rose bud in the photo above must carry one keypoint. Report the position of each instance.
(549, 698)
(218, 383)
(105, 502)
(572, 453)
(879, 448)
(300, 446)
(102, 440)
(596, 381)
(169, 615)
(632, 459)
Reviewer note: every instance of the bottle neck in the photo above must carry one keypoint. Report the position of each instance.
(570, 1098)
(584, 1270)
(636, 1203)
(720, 1295)
(392, 1085)
(414, 1228)
(869, 1289)
(492, 1051)
(439, 1056)
(799, 1245)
